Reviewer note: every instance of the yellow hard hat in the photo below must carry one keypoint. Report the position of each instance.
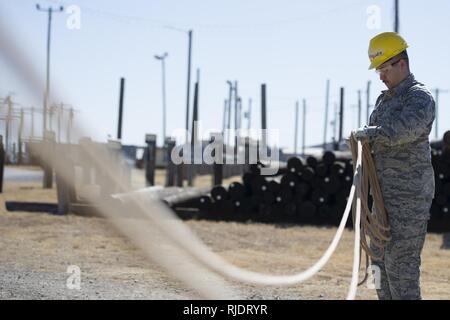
(385, 46)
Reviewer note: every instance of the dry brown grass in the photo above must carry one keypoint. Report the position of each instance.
(48, 244)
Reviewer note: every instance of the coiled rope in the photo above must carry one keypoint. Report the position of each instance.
(183, 236)
(374, 223)
(368, 224)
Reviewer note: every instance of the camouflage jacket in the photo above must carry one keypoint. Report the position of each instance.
(403, 118)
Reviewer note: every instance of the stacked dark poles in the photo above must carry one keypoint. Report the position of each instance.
(311, 190)
(440, 158)
(314, 191)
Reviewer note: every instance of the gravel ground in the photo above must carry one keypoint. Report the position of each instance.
(36, 250)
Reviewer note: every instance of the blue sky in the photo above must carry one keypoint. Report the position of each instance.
(292, 46)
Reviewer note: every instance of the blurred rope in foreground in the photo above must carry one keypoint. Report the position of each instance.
(163, 237)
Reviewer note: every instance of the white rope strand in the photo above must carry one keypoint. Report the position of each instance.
(172, 228)
(357, 227)
(186, 239)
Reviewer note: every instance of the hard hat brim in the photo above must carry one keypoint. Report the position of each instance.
(376, 64)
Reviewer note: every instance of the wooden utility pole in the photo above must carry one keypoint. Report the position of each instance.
(60, 111)
(2, 163)
(50, 117)
(249, 115)
(304, 127)
(188, 84)
(49, 145)
(150, 159)
(239, 126)
(368, 102)
(50, 11)
(236, 102)
(296, 127)
(263, 114)
(19, 141)
(69, 124)
(119, 126)
(336, 114)
(170, 167)
(396, 14)
(230, 95)
(436, 99)
(7, 126)
(194, 136)
(436, 93)
(236, 116)
(359, 108)
(341, 114)
(218, 159)
(162, 58)
(327, 99)
(32, 122)
(224, 116)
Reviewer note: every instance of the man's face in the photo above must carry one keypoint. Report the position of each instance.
(392, 72)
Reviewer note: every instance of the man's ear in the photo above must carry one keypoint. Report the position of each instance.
(404, 64)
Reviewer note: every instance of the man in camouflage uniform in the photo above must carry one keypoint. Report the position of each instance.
(398, 134)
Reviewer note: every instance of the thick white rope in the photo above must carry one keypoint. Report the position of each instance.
(185, 238)
(357, 226)
(174, 229)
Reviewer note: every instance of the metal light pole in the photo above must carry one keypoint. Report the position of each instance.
(180, 173)
(49, 10)
(180, 168)
(162, 59)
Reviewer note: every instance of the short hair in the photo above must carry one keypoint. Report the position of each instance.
(402, 55)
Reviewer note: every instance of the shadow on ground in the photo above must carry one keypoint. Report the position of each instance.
(445, 241)
(32, 207)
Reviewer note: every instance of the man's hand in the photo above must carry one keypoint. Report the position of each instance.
(360, 133)
(365, 132)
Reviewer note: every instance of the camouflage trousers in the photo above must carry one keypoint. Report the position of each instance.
(399, 271)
